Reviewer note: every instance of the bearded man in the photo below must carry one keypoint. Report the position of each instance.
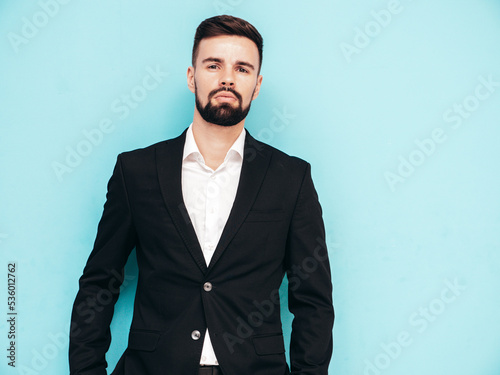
(217, 219)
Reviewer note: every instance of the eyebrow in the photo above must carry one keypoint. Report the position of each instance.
(218, 60)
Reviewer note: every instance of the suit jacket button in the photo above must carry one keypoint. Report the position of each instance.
(195, 335)
(207, 286)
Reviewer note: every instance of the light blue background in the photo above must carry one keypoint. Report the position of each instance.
(393, 251)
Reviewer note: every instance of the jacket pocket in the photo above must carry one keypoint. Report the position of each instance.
(274, 215)
(269, 344)
(143, 340)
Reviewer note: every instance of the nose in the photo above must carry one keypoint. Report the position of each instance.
(227, 79)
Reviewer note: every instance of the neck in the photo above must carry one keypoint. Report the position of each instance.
(214, 141)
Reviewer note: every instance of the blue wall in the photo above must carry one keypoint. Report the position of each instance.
(394, 103)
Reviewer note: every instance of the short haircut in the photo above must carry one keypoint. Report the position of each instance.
(226, 25)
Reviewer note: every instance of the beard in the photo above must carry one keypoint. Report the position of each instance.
(223, 114)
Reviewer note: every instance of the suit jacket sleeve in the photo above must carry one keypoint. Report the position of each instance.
(310, 287)
(99, 285)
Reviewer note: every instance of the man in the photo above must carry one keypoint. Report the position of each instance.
(217, 218)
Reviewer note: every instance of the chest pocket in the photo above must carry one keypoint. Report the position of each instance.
(256, 216)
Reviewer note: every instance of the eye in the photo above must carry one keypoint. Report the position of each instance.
(213, 66)
(242, 70)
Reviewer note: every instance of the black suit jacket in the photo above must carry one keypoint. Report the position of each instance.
(275, 226)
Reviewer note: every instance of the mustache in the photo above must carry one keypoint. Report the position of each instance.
(224, 88)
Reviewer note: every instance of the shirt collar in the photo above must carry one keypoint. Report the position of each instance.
(190, 146)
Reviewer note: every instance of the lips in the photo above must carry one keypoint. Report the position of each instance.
(225, 96)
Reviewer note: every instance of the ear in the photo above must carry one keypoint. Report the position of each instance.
(257, 87)
(190, 79)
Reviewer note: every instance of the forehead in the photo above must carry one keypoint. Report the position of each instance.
(228, 47)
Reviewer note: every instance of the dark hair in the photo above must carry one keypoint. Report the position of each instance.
(226, 25)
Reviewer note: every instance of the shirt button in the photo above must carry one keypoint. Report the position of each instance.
(207, 286)
(213, 176)
(195, 335)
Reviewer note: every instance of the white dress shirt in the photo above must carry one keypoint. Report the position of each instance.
(209, 196)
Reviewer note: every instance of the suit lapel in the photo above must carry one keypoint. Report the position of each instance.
(255, 163)
(169, 167)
